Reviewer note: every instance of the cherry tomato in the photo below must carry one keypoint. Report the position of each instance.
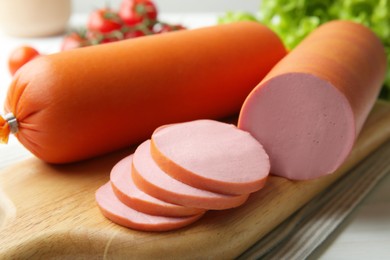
(104, 21)
(133, 12)
(74, 40)
(21, 56)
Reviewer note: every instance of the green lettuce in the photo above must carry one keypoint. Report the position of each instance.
(293, 20)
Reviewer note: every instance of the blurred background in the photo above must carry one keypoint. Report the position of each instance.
(177, 6)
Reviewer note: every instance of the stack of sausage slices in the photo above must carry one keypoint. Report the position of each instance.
(184, 170)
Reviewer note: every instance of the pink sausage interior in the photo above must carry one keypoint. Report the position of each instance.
(304, 123)
(181, 193)
(230, 159)
(123, 184)
(119, 213)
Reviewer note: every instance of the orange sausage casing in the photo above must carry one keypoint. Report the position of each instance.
(82, 103)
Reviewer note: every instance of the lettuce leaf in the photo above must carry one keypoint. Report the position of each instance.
(293, 20)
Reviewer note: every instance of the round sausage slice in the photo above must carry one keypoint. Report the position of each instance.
(211, 155)
(127, 192)
(113, 209)
(154, 181)
(310, 108)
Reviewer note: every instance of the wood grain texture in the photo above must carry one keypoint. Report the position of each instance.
(49, 211)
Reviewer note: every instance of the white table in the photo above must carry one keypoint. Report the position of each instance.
(366, 233)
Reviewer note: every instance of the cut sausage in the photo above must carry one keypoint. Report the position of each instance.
(154, 181)
(89, 101)
(211, 155)
(127, 192)
(310, 108)
(113, 209)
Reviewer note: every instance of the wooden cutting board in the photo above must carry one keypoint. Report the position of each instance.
(49, 211)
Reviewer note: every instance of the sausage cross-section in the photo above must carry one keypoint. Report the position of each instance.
(113, 209)
(127, 192)
(308, 111)
(151, 179)
(211, 155)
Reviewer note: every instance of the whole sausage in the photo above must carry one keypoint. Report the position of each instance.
(82, 103)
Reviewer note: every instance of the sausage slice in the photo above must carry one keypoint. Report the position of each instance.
(113, 209)
(127, 192)
(211, 155)
(151, 179)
